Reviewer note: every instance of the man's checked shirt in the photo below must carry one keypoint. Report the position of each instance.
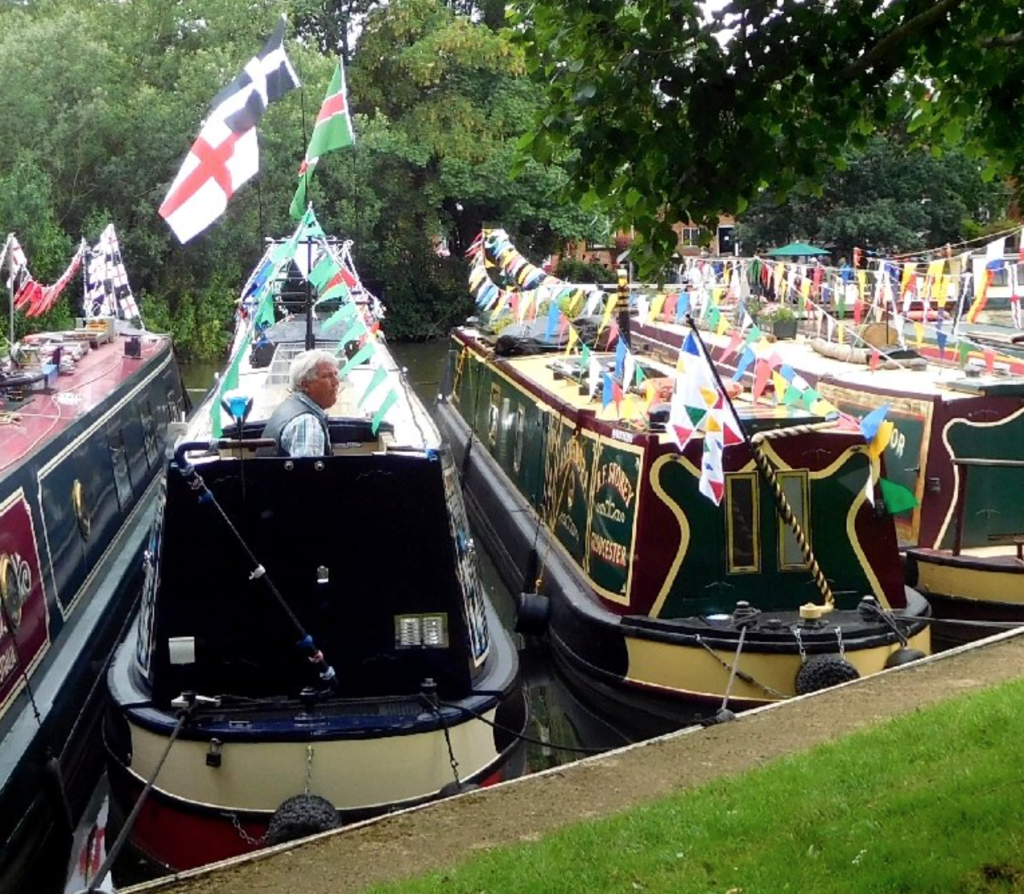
(304, 435)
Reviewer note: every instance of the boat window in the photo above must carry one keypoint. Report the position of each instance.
(119, 459)
(173, 407)
(742, 495)
(492, 417)
(517, 454)
(794, 486)
(148, 430)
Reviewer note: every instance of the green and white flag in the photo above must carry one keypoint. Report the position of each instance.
(333, 130)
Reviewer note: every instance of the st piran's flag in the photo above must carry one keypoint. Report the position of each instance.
(226, 154)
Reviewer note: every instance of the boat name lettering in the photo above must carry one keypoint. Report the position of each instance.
(569, 459)
(619, 435)
(607, 509)
(897, 441)
(8, 662)
(565, 520)
(612, 475)
(608, 550)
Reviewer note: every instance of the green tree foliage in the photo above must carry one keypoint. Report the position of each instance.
(102, 99)
(442, 101)
(669, 110)
(887, 196)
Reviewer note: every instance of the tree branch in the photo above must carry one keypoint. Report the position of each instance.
(899, 35)
(1003, 40)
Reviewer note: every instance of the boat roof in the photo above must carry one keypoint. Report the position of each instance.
(931, 380)
(538, 370)
(27, 425)
(411, 425)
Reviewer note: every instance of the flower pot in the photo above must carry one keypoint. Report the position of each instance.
(784, 328)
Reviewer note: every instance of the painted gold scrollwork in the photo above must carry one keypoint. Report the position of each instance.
(15, 584)
(81, 509)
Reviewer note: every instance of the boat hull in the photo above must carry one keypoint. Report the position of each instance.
(972, 597)
(367, 757)
(654, 675)
(176, 833)
(82, 592)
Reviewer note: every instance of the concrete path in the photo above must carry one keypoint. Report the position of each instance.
(443, 834)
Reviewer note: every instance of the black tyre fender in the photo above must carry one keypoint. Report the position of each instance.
(904, 656)
(299, 817)
(821, 671)
(532, 613)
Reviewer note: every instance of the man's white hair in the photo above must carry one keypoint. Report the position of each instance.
(303, 366)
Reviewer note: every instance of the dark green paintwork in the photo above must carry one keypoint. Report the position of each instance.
(701, 585)
(994, 506)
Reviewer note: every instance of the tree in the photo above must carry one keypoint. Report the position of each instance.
(887, 197)
(670, 112)
(441, 102)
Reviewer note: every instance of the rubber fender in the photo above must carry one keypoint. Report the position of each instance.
(457, 788)
(299, 817)
(532, 612)
(903, 656)
(821, 671)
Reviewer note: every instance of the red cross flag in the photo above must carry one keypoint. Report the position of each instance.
(226, 153)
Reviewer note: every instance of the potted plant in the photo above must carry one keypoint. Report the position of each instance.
(782, 321)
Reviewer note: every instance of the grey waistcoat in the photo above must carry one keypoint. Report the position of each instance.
(286, 411)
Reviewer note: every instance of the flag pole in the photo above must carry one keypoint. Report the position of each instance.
(3, 257)
(781, 501)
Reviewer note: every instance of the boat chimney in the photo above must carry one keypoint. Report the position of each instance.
(622, 306)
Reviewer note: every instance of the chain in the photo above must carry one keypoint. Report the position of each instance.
(245, 836)
(309, 765)
(839, 639)
(451, 754)
(800, 645)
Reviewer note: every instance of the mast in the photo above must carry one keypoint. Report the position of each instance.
(3, 257)
(622, 306)
(310, 338)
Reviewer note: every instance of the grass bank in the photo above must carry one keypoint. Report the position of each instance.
(932, 801)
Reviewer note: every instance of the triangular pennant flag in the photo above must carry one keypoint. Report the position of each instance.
(896, 497)
(870, 424)
(360, 356)
(881, 439)
(762, 374)
(379, 376)
(382, 410)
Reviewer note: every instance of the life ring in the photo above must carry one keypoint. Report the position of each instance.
(299, 817)
(822, 671)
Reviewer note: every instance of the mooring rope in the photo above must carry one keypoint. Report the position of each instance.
(206, 496)
(786, 511)
(122, 837)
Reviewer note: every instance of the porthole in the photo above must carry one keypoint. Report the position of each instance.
(15, 582)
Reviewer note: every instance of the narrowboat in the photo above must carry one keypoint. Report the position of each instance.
(956, 444)
(954, 396)
(657, 601)
(84, 416)
(314, 646)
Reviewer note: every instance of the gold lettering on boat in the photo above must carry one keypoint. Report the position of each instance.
(608, 550)
(607, 509)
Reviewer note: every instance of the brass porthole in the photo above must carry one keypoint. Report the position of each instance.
(81, 509)
(12, 591)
